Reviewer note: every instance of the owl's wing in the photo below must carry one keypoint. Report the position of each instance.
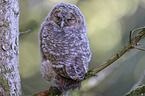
(74, 71)
(46, 66)
(69, 77)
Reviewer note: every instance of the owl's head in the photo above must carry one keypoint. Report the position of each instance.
(66, 15)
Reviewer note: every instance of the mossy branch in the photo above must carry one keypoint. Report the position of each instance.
(132, 42)
(139, 90)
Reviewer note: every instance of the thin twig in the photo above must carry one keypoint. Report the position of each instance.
(142, 49)
(131, 33)
(29, 30)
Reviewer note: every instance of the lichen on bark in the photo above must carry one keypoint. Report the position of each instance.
(9, 50)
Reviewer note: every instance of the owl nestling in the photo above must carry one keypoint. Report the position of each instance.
(64, 47)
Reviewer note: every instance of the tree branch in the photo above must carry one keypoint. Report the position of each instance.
(142, 77)
(129, 46)
(52, 91)
(132, 41)
(139, 90)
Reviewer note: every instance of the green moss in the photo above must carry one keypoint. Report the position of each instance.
(138, 91)
(4, 82)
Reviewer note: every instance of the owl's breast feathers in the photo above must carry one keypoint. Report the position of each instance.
(61, 42)
(69, 54)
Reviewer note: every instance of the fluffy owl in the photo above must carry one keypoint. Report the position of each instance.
(64, 47)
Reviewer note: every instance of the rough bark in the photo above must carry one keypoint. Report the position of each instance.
(9, 49)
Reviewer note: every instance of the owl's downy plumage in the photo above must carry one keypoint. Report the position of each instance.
(64, 47)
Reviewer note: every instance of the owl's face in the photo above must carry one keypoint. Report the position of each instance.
(65, 22)
(65, 17)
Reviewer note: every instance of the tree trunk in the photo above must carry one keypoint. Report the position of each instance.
(9, 49)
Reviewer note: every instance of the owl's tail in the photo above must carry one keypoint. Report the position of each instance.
(65, 84)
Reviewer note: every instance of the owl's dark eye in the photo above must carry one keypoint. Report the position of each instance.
(71, 19)
(57, 17)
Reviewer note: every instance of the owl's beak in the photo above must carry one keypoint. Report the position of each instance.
(62, 24)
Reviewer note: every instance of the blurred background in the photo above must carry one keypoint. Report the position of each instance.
(109, 23)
